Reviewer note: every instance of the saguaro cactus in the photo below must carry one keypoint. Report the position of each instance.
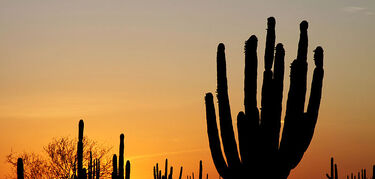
(121, 157)
(334, 171)
(262, 154)
(121, 174)
(20, 170)
(80, 151)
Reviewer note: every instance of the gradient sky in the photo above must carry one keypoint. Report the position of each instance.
(142, 68)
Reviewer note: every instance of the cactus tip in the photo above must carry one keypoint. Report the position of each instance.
(318, 56)
(221, 47)
(279, 46)
(271, 22)
(209, 97)
(304, 25)
(252, 41)
(122, 136)
(81, 123)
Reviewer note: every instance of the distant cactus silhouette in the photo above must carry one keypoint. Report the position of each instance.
(121, 174)
(81, 174)
(114, 167)
(20, 170)
(334, 171)
(158, 174)
(362, 174)
(262, 154)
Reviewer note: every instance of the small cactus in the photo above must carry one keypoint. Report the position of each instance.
(158, 175)
(334, 172)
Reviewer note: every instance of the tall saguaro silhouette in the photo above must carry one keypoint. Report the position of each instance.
(81, 174)
(261, 153)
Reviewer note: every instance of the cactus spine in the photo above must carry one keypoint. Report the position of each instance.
(20, 171)
(258, 135)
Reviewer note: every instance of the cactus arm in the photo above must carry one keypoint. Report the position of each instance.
(303, 42)
(127, 172)
(20, 171)
(293, 132)
(278, 82)
(250, 91)
(213, 136)
(243, 137)
(180, 173)
(270, 43)
(166, 169)
(155, 175)
(269, 122)
(200, 169)
(170, 173)
(316, 86)
(250, 125)
(226, 126)
(315, 97)
(157, 171)
(114, 167)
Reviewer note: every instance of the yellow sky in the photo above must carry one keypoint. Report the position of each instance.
(142, 68)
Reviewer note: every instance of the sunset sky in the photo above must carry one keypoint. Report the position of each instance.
(142, 68)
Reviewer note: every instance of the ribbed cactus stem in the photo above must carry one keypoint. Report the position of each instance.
(127, 172)
(114, 167)
(20, 170)
(80, 150)
(121, 157)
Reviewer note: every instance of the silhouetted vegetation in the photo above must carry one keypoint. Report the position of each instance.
(59, 159)
(158, 174)
(359, 175)
(120, 174)
(334, 172)
(258, 134)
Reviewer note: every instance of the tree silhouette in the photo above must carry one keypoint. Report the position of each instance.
(262, 154)
(58, 159)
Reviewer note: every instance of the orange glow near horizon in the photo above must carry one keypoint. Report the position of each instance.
(142, 69)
